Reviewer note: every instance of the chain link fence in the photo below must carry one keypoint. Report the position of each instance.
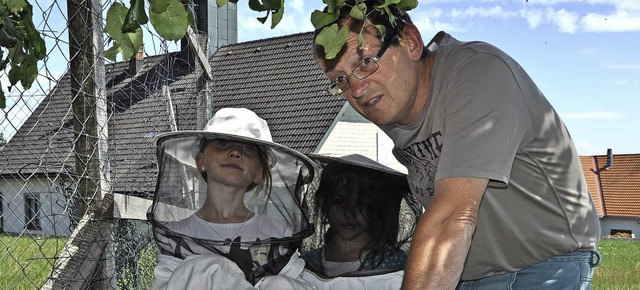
(79, 139)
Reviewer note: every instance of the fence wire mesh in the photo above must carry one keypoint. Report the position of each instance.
(66, 148)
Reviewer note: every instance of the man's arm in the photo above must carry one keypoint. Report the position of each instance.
(443, 235)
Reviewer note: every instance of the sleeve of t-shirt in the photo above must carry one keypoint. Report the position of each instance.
(485, 120)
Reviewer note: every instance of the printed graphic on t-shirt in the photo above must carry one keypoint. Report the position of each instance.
(421, 159)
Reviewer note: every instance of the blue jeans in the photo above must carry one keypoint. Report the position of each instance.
(569, 271)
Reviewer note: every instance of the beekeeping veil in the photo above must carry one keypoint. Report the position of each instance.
(356, 183)
(181, 191)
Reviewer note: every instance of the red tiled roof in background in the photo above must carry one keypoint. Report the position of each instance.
(616, 188)
(588, 165)
(621, 185)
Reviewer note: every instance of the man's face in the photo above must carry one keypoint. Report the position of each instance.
(387, 96)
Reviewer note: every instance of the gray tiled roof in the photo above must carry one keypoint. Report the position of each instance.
(278, 79)
(136, 111)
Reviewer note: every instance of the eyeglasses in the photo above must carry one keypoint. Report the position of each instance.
(365, 68)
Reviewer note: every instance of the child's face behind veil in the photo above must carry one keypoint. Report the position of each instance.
(346, 218)
(231, 163)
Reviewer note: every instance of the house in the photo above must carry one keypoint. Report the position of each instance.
(37, 164)
(614, 183)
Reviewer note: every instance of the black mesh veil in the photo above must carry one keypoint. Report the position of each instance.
(181, 191)
(397, 203)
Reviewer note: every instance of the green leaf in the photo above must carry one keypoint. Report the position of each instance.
(158, 6)
(23, 43)
(392, 19)
(263, 19)
(191, 16)
(387, 3)
(332, 39)
(127, 43)
(320, 19)
(360, 40)
(112, 53)
(29, 73)
(8, 34)
(171, 24)
(115, 19)
(3, 102)
(407, 5)
(131, 44)
(135, 17)
(358, 11)
(255, 5)
(16, 6)
(277, 16)
(383, 31)
(221, 3)
(334, 5)
(272, 4)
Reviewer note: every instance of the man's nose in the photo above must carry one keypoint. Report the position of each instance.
(358, 86)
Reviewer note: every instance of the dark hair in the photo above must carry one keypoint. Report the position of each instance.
(378, 197)
(265, 164)
(393, 29)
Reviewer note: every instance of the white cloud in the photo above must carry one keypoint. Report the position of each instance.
(489, 12)
(533, 17)
(570, 16)
(428, 22)
(620, 21)
(565, 20)
(592, 115)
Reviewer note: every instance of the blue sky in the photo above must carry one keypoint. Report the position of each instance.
(583, 54)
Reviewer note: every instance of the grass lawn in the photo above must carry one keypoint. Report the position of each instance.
(25, 263)
(620, 267)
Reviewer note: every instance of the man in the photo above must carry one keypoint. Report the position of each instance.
(506, 201)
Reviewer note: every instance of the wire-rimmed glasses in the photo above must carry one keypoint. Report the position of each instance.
(367, 66)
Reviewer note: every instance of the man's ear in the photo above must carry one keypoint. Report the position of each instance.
(413, 39)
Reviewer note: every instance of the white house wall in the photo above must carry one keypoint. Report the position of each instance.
(352, 134)
(52, 214)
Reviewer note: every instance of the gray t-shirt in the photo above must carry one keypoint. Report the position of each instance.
(486, 118)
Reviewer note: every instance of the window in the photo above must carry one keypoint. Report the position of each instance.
(621, 233)
(32, 212)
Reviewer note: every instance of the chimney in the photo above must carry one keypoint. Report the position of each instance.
(220, 24)
(609, 159)
(136, 62)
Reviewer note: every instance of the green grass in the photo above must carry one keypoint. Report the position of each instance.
(620, 267)
(25, 262)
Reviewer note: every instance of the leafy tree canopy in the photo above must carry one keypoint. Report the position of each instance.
(21, 46)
